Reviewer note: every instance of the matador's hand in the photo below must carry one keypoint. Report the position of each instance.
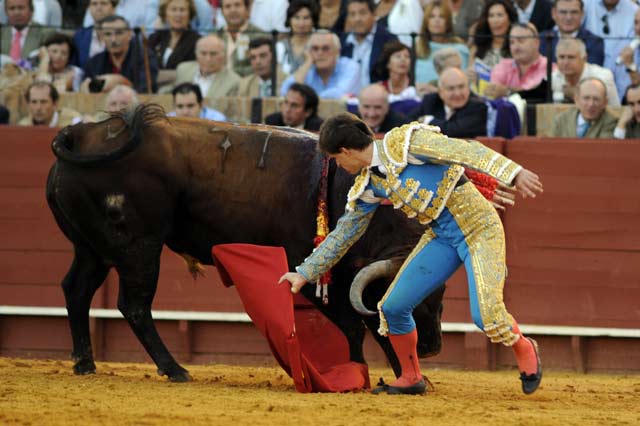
(296, 280)
(504, 197)
(528, 183)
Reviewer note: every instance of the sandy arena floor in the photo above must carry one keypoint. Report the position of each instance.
(47, 393)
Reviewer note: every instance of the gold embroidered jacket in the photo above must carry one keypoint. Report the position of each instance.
(422, 168)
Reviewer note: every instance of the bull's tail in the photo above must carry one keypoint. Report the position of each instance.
(135, 121)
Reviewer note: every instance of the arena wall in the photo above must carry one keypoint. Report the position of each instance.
(573, 261)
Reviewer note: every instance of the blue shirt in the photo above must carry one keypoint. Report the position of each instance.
(344, 80)
(207, 114)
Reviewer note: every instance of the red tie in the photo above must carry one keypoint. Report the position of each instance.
(16, 48)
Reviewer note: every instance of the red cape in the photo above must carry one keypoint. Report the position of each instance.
(309, 347)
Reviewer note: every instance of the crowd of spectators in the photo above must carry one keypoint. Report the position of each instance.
(462, 65)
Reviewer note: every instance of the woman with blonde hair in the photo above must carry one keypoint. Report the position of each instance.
(436, 33)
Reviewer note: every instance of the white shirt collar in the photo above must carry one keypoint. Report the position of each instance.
(54, 119)
(351, 38)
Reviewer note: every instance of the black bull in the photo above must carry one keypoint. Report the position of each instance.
(123, 188)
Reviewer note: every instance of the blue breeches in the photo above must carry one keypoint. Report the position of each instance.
(467, 231)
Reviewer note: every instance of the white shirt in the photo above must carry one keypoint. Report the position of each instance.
(96, 45)
(269, 15)
(56, 117)
(204, 82)
(524, 15)
(362, 54)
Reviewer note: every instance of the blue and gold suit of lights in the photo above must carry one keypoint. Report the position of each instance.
(422, 168)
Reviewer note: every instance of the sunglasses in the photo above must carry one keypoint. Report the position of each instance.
(605, 24)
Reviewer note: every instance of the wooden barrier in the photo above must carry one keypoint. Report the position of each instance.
(573, 261)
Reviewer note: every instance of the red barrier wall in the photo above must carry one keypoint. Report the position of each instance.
(572, 254)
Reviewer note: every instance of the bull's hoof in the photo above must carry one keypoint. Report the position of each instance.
(84, 367)
(180, 376)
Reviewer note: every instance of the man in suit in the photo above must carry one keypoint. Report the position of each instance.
(208, 71)
(568, 15)
(122, 58)
(589, 118)
(452, 108)
(628, 126)
(260, 83)
(237, 33)
(86, 39)
(42, 101)
(299, 109)
(373, 108)
(364, 44)
(21, 36)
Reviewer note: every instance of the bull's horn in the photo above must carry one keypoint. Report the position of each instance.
(380, 269)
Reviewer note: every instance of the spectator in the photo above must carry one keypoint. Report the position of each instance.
(138, 13)
(628, 126)
(122, 58)
(87, 40)
(613, 20)
(259, 83)
(202, 20)
(526, 72)
(332, 14)
(537, 12)
(453, 109)
(626, 69)
(573, 68)
(589, 118)
(237, 33)
(4, 115)
(120, 98)
(269, 15)
(465, 13)
(448, 57)
(299, 109)
(365, 41)
(404, 18)
(394, 68)
(21, 36)
(42, 102)
(208, 71)
(45, 12)
(568, 15)
(188, 102)
(302, 18)
(373, 108)
(330, 75)
(176, 43)
(54, 65)
(436, 33)
(491, 35)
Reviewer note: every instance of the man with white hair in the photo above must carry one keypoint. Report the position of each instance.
(121, 97)
(571, 56)
(208, 71)
(329, 74)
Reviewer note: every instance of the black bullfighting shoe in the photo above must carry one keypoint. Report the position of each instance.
(530, 382)
(415, 389)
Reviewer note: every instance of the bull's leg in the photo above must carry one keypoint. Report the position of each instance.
(138, 285)
(372, 324)
(86, 275)
(427, 316)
